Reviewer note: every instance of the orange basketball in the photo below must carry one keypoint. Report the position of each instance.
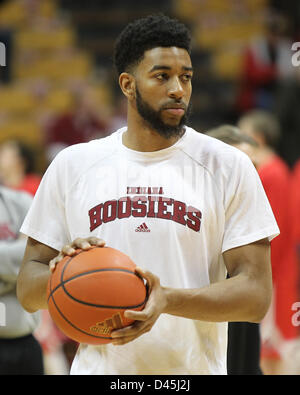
(89, 292)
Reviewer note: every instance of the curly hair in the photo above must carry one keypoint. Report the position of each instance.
(146, 33)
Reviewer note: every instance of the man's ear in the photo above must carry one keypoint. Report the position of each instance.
(127, 84)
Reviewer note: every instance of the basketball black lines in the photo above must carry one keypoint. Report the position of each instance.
(88, 294)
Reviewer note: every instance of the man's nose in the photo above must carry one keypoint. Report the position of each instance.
(175, 89)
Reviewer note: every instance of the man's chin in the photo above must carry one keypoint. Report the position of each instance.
(167, 126)
(169, 130)
(175, 122)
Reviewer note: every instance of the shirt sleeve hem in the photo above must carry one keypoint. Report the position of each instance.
(34, 234)
(269, 233)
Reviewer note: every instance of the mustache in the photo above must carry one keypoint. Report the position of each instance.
(174, 104)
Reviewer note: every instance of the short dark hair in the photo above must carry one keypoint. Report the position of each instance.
(147, 33)
(264, 123)
(231, 135)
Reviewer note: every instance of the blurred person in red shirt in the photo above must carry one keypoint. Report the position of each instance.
(277, 329)
(266, 62)
(17, 167)
(17, 171)
(295, 216)
(83, 122)
(295, 207)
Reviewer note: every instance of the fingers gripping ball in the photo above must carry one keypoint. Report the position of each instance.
(89, 292)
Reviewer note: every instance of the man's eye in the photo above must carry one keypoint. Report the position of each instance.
(187, 77)
(162, 76)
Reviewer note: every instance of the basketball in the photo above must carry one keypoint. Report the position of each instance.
(88, 293)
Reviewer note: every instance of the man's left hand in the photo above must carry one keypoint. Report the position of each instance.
(145, 319)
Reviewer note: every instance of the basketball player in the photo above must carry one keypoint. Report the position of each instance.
(200, 202)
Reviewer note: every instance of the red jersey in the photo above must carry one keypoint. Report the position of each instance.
(29, 184)
(295, 220)
(276, 179)
(295, 204)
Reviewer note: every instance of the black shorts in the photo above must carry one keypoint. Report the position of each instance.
(21, 356)
(243, 353)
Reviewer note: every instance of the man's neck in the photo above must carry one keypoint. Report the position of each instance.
(140, 137)
(147, 141)
(264, 156)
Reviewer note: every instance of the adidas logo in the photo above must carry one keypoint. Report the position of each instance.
(104, 328)
(142, 228)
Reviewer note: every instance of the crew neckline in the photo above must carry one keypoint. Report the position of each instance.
(150, 155)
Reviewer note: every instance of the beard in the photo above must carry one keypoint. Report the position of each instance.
(154, 118)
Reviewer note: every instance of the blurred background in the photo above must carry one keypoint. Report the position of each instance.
(59, 87)
(59, 60)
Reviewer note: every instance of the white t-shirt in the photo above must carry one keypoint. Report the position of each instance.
(174, 212)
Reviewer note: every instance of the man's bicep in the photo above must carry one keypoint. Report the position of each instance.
(39, 252)
(251, 259)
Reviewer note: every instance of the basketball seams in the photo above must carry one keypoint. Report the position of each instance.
(90, 272)
(67, 264)
(51, 277)
(63, 282)
(99, 305)
(51, 296)
(74, 326)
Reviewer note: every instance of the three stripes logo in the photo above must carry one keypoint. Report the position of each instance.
(142, 228)
(104, 328)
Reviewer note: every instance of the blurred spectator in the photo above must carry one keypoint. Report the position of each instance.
(243, 352)
(295, 211)
(17, 172)
(20, 352)
(119, 118)
(80, 125)
(267, 60)
(277, 327)
(54, 343)
(295, 223)
(294, 347)
(17, 165)
(286, 107)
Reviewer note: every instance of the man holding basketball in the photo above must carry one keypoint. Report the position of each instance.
(197, 203)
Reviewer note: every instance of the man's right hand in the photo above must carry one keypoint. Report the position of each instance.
(70, 249)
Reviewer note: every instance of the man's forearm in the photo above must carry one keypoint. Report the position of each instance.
(32, 286)
(234, 299)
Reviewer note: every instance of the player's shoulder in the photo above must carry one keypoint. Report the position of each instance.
(214, 154)
(84, 155)
(98, 148)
